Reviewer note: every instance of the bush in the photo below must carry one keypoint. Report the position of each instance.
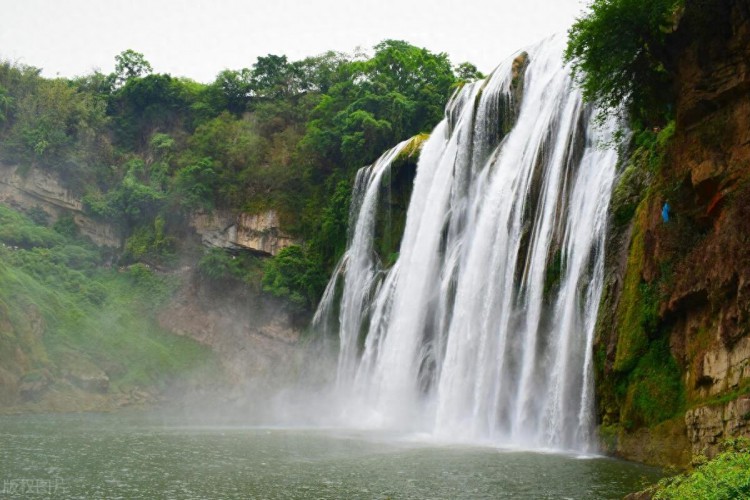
(725, 477)
(291, 274)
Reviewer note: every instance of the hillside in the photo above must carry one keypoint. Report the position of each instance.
(215, 212)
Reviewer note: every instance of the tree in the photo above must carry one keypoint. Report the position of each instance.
(619, 55)
(397, 93)
(6, 101)
(235, 88)
(467, 72)
(273, 77)
(130, 64)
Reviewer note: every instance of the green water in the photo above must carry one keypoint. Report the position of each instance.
(142, 456)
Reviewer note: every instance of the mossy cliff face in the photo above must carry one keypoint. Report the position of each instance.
(396, 189)
(673, 340)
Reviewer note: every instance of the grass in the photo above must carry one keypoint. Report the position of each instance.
(60, 308)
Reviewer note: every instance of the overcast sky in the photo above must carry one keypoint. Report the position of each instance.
(199, 38)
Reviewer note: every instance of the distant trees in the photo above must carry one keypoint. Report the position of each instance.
(467, 72)
(145, 149)
(130, 64)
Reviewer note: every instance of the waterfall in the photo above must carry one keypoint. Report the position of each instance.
(482, 330)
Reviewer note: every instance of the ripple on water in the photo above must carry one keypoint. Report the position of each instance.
(143, 457)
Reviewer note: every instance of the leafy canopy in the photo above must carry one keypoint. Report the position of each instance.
(619, 55)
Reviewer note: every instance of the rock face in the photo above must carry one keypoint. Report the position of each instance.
(688, 281)
(259, 233)
(44, 190)
(255, 337)
(707, 426)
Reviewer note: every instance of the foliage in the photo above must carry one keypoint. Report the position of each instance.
(291, 274)
(53, 124)
(130, 64)
(16, 230)
(145, 149)
(397, 93)
(334, 222)
(219, 265)
(725, 477)
(66, 226)
(467, 72)
(627, 65)
(62, 308)
(151, 244)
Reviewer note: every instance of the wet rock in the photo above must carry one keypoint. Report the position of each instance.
(85, 375)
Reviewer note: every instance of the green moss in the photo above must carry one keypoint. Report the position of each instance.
(632, 313)
(412, 149)
(396, 188)
(629, 190)
(655, 391)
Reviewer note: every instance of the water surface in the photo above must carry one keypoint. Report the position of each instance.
(146, 456)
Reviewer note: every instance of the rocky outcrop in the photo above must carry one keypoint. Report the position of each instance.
(684, 285)
(707, 426)
(254, 336)
(40, 189)
(260, 233)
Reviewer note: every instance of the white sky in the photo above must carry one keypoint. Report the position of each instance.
(199, 38)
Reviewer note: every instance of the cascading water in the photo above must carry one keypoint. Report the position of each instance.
(482, 329)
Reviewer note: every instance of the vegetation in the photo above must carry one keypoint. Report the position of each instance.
(620, 58)
(146, 149)
(727, 476)
(62, 310)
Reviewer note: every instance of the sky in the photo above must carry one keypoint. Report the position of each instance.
(199, 38)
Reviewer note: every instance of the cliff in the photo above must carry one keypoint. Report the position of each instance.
(673, 344)
(37, 189)
(260, 233)
(256, 337)
(56, 357)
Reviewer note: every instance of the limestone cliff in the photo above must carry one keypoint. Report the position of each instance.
(260, 233)
(40, 189)
(678, 291)
(256, 337)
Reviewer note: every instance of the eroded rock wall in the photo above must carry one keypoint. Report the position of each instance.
(685, 283)
(256, 337)
(37, 188)
(260, 233)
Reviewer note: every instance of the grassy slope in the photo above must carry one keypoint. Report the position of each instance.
(63, 312)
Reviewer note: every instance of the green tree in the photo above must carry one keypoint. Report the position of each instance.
(467, 72)
(235, 88)
(395, 94)
(292, 275)
(130, 64)
(619, 55)
(273, 77)
(6, 101)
